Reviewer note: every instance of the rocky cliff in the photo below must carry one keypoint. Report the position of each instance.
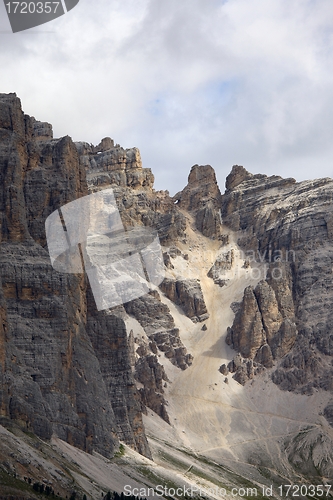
(66, 367)
(287, 228)
(246, 294)
(57, 375)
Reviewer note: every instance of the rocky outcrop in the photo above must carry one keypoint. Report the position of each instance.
(224, 262)
(264, 327)
(155, 318)
(310, 452)
(109, 165)
(286, 226)
(3, 341)
(149, 374)
(170, 343)
(202, 197)
(188, 295)
(171, 253)
(152, 376)
(247, 333)
(328, 413)
(42, 131)
(108, 335)
(54, 378)
(151, 313)
(71, 371)
(163, 339)
(237, 175)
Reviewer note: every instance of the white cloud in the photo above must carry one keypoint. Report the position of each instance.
(197, 81)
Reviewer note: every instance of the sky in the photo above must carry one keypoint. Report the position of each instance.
(219, 82)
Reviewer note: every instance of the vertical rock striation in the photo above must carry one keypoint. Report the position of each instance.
(288, 225)
(52, 374)
(202, 198)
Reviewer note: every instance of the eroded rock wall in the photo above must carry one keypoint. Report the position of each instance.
(288, 225)
(53, 377)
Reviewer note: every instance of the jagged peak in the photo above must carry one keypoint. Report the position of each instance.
(237, 175)
(201, 187)
(240, 175)
(199, 173)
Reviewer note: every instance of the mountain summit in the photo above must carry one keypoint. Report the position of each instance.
(221, 377)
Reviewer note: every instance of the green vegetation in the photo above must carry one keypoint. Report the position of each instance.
(121, 452)
(11, 485)
(180, 466)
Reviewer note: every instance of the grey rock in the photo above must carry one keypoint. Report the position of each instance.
(224, 369)
(223, 263)
(54, 377)
(328, 413)
(290, 225)
(187, 294)
(202, 197)
(151, 374)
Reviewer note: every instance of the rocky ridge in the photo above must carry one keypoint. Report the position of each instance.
(86, 376)
(287, 226)
(66, 367)
(54, 380)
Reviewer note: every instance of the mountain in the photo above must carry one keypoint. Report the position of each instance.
(221, 377)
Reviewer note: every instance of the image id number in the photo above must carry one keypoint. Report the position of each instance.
(303, 490)
(32, 7)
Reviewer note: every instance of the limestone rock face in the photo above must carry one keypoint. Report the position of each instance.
(224, 262)
(87, 376)
(164, 339)
(151, 374)
(54, 376)
(288, 226)
(247, 333)
(202, 197)
(3, 340)
(108, 165)
(155, 318)
(311, 452)
(268, 306)
(237, 175)
(328, 412)
(42, 131)
(264, 327)
(188, 295)
(108, 335)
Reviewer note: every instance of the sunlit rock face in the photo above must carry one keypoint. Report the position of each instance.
(53, 380)
(213, 363)
(289, 226)
(202, 198)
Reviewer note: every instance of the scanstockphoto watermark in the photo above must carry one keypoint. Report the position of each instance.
(259, 264)
(188, 492)
(268, 255)
(282, 491)
(25, 15)
(88, 236)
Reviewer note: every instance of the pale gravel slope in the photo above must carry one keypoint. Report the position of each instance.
(228, 421)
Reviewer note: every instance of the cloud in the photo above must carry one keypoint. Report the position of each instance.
(219, 82)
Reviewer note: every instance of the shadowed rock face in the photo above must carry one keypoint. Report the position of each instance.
(55, 378)
(65, 367)
(202, 198)
(69, 370)
(108, 335)
(275, 216)
(156, 320)
(328, 413)
(188, 295)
